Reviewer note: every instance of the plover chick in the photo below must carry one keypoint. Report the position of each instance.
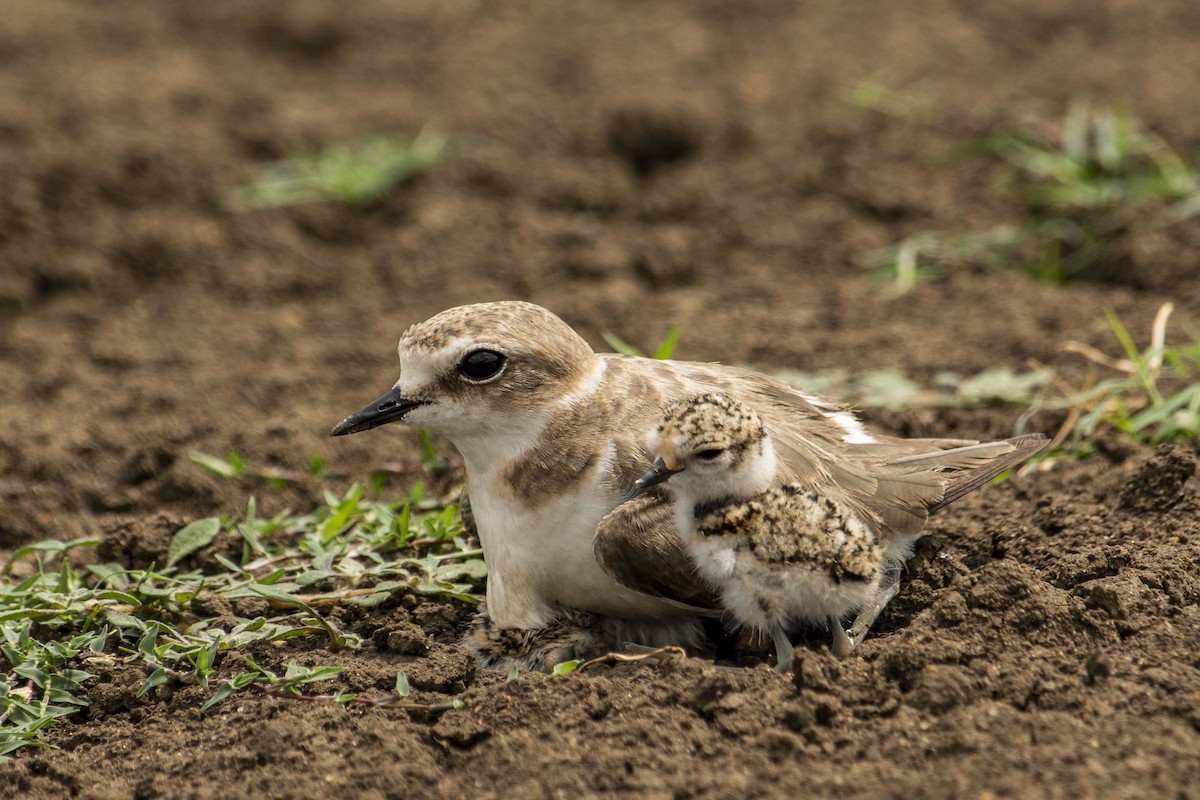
(779, 555)
(553, 436)
(786, 552)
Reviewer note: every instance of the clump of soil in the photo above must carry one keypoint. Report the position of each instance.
(638, 166)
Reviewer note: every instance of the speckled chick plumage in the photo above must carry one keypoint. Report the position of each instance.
(779, 555)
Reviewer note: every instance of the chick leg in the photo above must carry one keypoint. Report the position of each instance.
(842, 646)
(889, 587)
(784, 651)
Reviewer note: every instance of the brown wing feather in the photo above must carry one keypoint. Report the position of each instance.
(921, 483)
(1023, 447)
(638, 547)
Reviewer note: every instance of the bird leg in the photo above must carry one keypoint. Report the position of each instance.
(842, 646)
(784, 652)
(889, 587)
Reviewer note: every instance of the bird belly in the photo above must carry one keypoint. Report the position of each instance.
(715, 556)
(813, 595)
(541, 559)
(760, 596)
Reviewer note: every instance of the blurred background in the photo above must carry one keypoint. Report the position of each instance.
(217, 218)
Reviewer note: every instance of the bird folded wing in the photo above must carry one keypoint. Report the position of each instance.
(912, 486)
(637, 545)
(1022, 448)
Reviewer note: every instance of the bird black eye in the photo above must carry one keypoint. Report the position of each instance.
(480, 365)
(709, 455)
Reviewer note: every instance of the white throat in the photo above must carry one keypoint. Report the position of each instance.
(696, 486)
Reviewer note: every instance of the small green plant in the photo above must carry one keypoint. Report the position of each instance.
(1100, 161)
(900, 268)
(357, 176)
(912, 104)
(56, 617)
(664, 351)
(1154, 398)
(234, 467)
(1078, 186)
(888, 388)
(40, 687)
(565, 667)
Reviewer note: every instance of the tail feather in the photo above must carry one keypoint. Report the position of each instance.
(913, 486)
(1022, 447)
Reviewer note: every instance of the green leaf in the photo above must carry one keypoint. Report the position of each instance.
(99, 641)
(885, 388)
(50, 547)
(71, 677)
(566, 667)
(667, 348)
(277, 594)
(123, 620)
(205, 658)
(159, 676)
(313, 576)
(192, 537)
(619, 345)
(223, 691)
(1002, 385)
(64, 696)
(373, 600)
(218, 467)
(243, 680)
(1122, 334)
(402, 687)
(109, 572)
(315, 674)
(475, 569)
(226, 563)
(30, 671)
(149, 640)
(358, 175)
(343, 511)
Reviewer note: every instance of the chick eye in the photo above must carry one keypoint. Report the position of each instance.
(481, 365)
(709, 455)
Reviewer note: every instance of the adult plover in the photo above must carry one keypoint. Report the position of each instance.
(554, 436)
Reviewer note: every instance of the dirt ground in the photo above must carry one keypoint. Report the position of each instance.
(638, 165)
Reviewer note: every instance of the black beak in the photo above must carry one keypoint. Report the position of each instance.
(653, 477)
(389, 408)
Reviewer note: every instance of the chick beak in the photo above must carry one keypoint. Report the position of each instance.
(654, 476)
(389, 408)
